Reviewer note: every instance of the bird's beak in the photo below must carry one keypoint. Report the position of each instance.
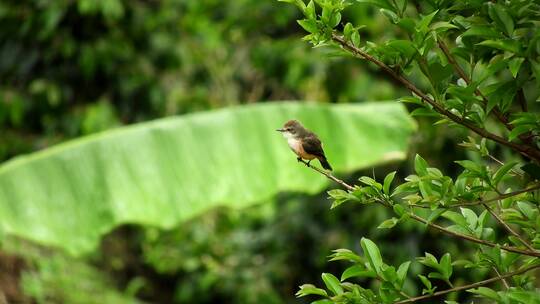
(280, 130)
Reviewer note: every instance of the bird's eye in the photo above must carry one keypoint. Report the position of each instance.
(290, 130)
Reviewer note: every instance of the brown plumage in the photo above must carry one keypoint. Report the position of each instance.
(304, 143)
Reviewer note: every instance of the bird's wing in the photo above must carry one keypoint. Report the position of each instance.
(313, 145)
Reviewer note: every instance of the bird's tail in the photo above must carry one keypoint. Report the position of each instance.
(324, 163)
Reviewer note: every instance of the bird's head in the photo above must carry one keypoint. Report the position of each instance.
(291, 128)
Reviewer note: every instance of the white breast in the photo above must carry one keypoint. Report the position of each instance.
(294, 144)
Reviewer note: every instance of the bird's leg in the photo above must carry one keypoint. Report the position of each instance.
(307, 164)
(299, 159)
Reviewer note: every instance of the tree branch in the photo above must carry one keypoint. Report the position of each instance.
(470, 286)
(330, 176)
(473, 239)
(496, 111)
(508, 228)
(528, 151)
(500, 197)
(480, 202)
(424, 221)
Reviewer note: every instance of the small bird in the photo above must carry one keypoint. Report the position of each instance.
(304, 143)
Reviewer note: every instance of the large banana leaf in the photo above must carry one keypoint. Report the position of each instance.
(165, 171)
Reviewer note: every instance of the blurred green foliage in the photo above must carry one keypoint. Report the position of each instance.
(70, 68)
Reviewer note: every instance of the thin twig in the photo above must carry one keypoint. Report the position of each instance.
(500, 197)
(508, 228)
(440, 228)
(474, 239)
(506, 286)
(470, 286)
(523, 149)
(480, 202)
(467, 80)
(522, 100)
(330, 176)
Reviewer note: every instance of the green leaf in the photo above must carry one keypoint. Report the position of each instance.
(517, 131)
(486, 292)
(310, 25)
(308, 289)
(504, 45)
(420, 165)
(471, 166)
(332, 283)
(355, 38)
(388, 182)
(425, 281)
(501, 172)
(502, 18)
(323, 301)
(379, 3)
(404, 47)
(424, 23)
(446, 266)
(310, 11)
(470, 217)
(514, 64)
(455, 217)
(371, 251)
(164, 172)
(357, 271)
(402, 272)
(389, 223)
(345, 254)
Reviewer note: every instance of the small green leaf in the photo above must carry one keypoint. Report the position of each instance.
(345, 254)
(371, 251)
(348, 30)
(425, 281)
(332, 283)
(357, 271)
(399, 210)
(502, 18)
(309, 25)
(455, 217)
(309, 289)
(387, 182)
(504, 45)
(486, 292)
(355, 38)
(310, 11)
(379, 3)
(424, 23)
(389, 223)
(402, 272)
(470, 217)
(446, 265)
(514, 65)
(517, 131)
(501, 172)
(323, 301)
(404, 47)
(420, 166)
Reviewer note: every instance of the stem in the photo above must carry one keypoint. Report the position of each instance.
(440, 228)
(500, 197)
(470, 286)
(523, 149)
(508, 228)
(467, 80)
(473, 239)
(481, 202)
(496, 111)
(330, 176)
